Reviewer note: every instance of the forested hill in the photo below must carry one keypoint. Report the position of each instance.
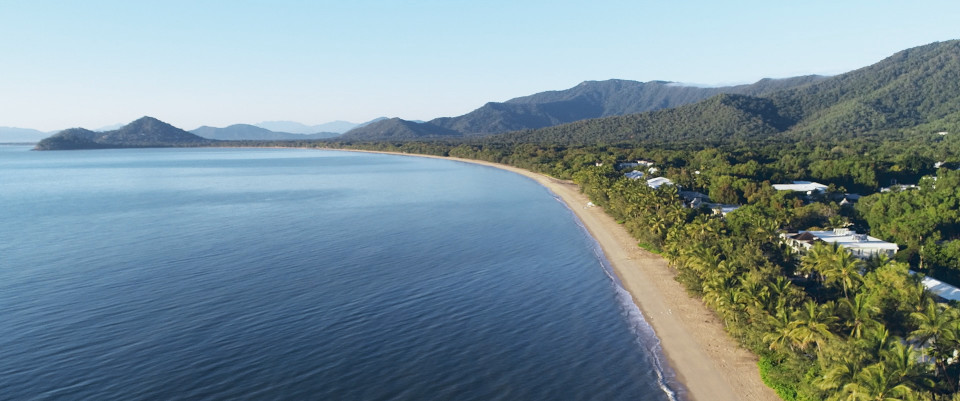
(913, 87)
(590, 99)
(594, 99)
(142, 133)
(918, 88)
(720, 118)
(396, 128)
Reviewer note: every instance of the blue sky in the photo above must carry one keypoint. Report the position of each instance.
(95, 63)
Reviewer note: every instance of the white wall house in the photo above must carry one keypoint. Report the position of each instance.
(861, 246)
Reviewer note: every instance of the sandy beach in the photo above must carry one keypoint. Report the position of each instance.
(706, 360)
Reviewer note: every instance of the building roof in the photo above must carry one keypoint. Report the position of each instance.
(941, 289)
(658, 182)
(850, 239)
(801, 186)
(724, 209)
(635, 174)
(691, 195)
(804, 236)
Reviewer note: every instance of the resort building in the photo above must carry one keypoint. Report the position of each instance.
(939, 288)
(659, 182)
(861, 246)
(634, 175)
(808, 187)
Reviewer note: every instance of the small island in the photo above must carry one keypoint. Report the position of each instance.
(146, 132)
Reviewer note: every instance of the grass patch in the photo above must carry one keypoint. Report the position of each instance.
(649, 248)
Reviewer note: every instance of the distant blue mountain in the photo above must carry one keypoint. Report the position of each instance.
(294, 127)
(246, 132)
(21, 135)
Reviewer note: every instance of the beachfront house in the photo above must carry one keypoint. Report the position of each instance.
(861, 246)
(808, 187)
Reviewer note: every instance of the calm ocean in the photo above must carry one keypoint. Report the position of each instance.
(271, 274)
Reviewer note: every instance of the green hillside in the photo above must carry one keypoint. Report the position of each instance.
(919, 87)
(396, 129)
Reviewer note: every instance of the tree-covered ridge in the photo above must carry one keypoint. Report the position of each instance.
(397, 129)
(594, 99)
(915, 87)
(720, 118)
(144, 132)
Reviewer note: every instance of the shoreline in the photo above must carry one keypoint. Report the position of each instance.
(706, 361)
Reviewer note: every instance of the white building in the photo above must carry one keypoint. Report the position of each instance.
(658, 182)
(940, 289)
(861, 246)
(898, 187)
(634, 175)
(645, 163)
(723, 210)
(801, 186)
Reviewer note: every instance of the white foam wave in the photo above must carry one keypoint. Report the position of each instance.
(644, 335)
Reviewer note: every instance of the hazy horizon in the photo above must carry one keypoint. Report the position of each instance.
(100, 63)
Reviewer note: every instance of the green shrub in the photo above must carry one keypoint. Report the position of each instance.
(770, 374)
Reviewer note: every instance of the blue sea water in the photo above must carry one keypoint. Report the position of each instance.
(278, 274)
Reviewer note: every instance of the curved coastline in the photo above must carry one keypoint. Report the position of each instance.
(705, 360)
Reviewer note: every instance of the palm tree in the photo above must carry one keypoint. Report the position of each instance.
(876, 383)
(859, 314)
(843, 268)
(812, 325)
(702, 227)
(875, 339)
(939, 332)
(902, 363)
(876, 262)
(816, 261)
(780, 338)
(781, 292)
(839, 374)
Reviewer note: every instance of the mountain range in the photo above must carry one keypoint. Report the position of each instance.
(21, 135)
(917, 88)
(590, 99)
(243, 132)
(294, 127)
